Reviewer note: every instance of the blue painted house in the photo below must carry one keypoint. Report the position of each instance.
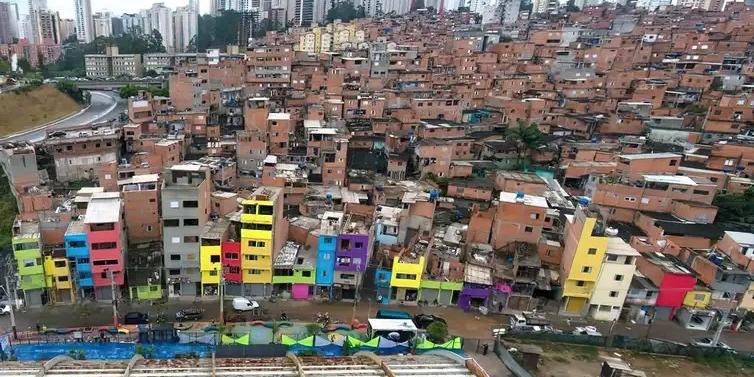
(77, 252)
(326, 246)
(382, 285)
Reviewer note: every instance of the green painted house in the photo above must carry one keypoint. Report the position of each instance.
(29, 261)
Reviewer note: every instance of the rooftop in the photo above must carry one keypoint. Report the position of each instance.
(476, 274)
(670, 179)
(529, 200)
(668, 263)
(287, 255)
(616, 246)
(742, 238)
(646, 156)
(103, 208)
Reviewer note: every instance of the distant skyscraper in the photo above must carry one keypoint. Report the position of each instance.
(84, 29)
(67, 28)
(103, 25)
(117, 25)
(131, 22)
(160, 18)
(48, 28)
(8, 22)
(186, 21)
(194, 5)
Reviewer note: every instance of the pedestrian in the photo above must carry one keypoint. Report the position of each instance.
(39, 329)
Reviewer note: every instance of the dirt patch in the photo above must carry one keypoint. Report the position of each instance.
(20, 110)
(567, 360)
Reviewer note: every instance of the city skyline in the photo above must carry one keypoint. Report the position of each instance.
(66, 8)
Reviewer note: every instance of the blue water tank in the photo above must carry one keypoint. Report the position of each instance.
(583, 200)
(329, 197)
(519, 195)
(433, 195)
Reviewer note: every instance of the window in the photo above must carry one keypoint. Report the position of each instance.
(405, 276)
(534, 216)
(190, 222)
(104, 245)
(174, 272)
(251, 257)
(673, 162)
(618, 277)
(345, 244)
(613, 293)
(612, 257)
(698, 296)
(265, 210)
(328, 240)
(213, 273)
(62, 278)
(358, 245)
(592, 251)
(255, 272)
(580, 283)
(528, 229)
(586, 269)
(107, 262)
(344, 261)
(190, 239)
(82, 261)
(170, 223)
(175, 256)
(347, 276)
(29, 262)
(256, 243)
(231, 256)
(306, 274)
(60, 263)
(76, 243)
(190, 204)
(701, 192)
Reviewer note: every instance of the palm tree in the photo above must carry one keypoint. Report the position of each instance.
(526, 137)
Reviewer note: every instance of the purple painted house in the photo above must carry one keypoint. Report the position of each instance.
(351, 252)
(473, 296)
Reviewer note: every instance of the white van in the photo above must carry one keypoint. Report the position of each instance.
(243, 304)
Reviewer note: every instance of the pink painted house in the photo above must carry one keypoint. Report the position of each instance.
(104, 231)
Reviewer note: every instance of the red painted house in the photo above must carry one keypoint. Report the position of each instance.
(231, 260)
(104, 232)
(672, 277)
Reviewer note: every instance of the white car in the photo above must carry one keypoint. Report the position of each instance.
(707, 342)
(587, 330)
(243, 304)
(4, 309)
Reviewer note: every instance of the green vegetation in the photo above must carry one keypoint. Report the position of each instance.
(345, 11)
(527, 137)
(132, 90)
(437, 331)
(74, 92)
(313, 329)
(146, 352)
(584, 353)
(8, 212)
(4, 66)
(77, 354)
(216, 32)
(736, 211)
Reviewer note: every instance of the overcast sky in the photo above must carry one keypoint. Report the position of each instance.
(117, 7)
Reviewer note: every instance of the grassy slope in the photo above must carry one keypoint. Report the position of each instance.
(19, 110)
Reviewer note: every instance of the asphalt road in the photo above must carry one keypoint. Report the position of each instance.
(104, 106)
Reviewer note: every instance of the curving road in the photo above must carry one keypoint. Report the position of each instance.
(104, 106)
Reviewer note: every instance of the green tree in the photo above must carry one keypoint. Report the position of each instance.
(736, 211)
(73, 91)
(437, 331)
(4, 66)
(345, 11)
(526, 137)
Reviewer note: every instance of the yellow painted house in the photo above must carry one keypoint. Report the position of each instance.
(58, 279)
(210, 263)
(257, 238)
(583, 256)
(406, 278)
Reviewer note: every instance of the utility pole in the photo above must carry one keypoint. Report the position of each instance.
(7, 290)
(723, 323)
(221, 289)
(356, 293)
(115, 300)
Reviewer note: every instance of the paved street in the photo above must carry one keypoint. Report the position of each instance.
(104, 106)
(467, 325)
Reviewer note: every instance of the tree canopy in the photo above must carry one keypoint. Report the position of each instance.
(345, 11)
(526, 137)
(132, 90)
(736, 211)
(216, 32)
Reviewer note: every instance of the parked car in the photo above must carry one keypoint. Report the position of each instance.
(423, 321)
(4, 309)
(587, 330)
(529, 329)
(707, 342)
(243, 304)
(393, 314)
(136, 318)
(189, 314)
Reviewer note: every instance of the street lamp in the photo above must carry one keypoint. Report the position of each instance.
(10, 305)
(356, 292)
